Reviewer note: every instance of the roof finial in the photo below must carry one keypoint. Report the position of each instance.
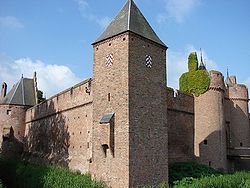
(202, 65)
(22, 76)
(201, 55)
(228, 80)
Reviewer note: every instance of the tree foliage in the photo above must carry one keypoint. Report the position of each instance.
(40, 96)
(195, 82)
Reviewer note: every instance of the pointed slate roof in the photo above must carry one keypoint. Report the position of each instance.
(22, 93)
(202, 65)
(131, 19)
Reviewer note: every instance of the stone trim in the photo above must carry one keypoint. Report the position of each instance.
(181, 111)
(238, 99)
(216, 89)
(126, 33)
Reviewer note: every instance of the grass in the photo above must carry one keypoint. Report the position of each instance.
(237, 180)
(16, 174)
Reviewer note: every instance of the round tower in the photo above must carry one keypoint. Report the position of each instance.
(12, 121)
(239, 122)
(12, 125)
(210, 136)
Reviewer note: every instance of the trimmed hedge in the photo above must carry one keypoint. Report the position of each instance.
(24, 175)
(195, 82)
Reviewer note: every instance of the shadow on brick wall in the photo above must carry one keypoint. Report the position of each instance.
(229, 144)
(11, 147)
(47, 140)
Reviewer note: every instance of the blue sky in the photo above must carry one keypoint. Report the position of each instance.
(53, 37)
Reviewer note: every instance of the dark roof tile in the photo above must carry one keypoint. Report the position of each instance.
(131, 19)
(22, 93)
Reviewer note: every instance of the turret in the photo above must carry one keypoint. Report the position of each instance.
(129, 103)
(13, 107)
(210, 136)
(35, 87)
(4, 90)
(239, 121)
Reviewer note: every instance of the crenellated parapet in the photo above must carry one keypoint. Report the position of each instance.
(216, 81)
(180, 117)
(238, 115)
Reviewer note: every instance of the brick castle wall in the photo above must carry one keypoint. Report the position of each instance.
(180, 113)
(148, 136)
(59, 129)
(111, 94)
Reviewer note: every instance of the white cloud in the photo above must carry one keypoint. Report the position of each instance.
(84, 9)
(10, 22)
(177, 10)
(82, 4)
(51, 78)
(178, 64)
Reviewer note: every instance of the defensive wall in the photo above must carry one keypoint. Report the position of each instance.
(59, 129)
(180, 113)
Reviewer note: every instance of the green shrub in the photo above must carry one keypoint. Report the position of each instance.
(1, 185)
(237, 180)
(189, 171)
(24, 175)
(195, 82)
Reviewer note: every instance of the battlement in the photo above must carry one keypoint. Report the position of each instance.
(180, 114)
(75, 96)
(180, 101)
(238, 92)
(217, 81)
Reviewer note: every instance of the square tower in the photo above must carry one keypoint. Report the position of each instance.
(130, 145)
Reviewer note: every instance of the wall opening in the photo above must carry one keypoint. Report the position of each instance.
(209, 163)
(105, 147)
(8, 112)
(241, 144)
(205, 142)
(109, 97)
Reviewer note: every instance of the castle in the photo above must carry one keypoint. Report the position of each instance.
(124, 126)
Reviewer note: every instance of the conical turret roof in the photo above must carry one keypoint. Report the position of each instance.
(131, 19)
(22, 93)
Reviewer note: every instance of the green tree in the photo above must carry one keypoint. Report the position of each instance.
(195, 82)
(40, 96)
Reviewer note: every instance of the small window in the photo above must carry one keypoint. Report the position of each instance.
(209, 163)
(105, 147)
(241, 144)
(205, 142)
(109, 97)
(8, 112)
